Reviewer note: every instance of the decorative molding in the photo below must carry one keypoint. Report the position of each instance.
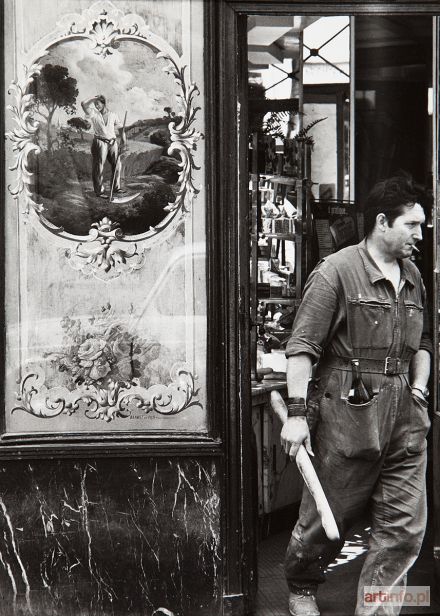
(184, 137)
(105, 26)
(28, 389)
(110, 402)
(22, 137)
(167, 399)
(101, 257)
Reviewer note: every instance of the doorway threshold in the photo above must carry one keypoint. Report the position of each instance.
(337, 597)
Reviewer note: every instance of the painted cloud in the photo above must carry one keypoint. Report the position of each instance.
(131, 78)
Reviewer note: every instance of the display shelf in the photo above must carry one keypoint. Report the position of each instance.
(288, 301)
(279, 236)
(278, 246)
(287, 180)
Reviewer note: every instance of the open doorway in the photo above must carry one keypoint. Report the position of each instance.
(336, 103)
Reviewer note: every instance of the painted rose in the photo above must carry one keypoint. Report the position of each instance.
(91, 358)
(122, 348)
(125, 368)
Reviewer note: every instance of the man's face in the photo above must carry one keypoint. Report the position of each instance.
(99, 105)
(405, 231)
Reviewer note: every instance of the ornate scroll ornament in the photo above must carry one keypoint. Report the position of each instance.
(22, 137)
(167, 399)
(184, 138)
(109, 402)
(105, 26)
(101, 257)
(104, 361)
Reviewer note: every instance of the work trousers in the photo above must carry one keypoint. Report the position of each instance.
(102, 151)
(366, 456)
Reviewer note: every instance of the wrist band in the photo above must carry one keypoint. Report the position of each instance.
(420, 390)
(296, 407)
(423, 390)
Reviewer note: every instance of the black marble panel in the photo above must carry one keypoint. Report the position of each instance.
(110, 537)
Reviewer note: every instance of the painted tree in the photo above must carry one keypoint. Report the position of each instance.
(170, 113)
(53, 89)
(79, 124)
(161, 136)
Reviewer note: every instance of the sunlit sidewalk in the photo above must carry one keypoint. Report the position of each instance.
(337, 597)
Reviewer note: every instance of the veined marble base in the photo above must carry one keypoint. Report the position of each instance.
(109, 537)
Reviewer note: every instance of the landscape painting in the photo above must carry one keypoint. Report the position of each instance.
(103, 137)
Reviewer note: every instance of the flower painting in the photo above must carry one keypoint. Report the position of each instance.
(112, 354)
(103, 356)
(107, 374)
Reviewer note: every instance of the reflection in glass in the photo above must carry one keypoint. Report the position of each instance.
(326, 53)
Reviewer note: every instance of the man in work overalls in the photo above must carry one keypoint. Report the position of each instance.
(365, 302)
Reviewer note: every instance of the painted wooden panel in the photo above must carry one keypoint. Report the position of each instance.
(105, 248)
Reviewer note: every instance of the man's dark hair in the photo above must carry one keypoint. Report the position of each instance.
(101, 98)
(389, 197)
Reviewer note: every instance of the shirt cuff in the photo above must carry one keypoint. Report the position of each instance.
(297, 347)
(426, 345)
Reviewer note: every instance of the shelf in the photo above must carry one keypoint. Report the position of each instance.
(278, 236)
(282, 236)
(284, 179)
(289, 180)
(279, 300)
(264, 387)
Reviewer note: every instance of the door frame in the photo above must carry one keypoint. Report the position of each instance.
(226, 78)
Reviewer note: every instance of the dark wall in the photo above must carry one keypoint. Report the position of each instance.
(393, 71)
(393, 136)
(109, 537)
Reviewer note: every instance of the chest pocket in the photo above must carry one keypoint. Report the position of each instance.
(413, 325)
(370, 323)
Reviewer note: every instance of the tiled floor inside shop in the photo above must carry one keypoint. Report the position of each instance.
(337, 597)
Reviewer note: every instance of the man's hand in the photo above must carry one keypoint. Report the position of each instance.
(295, 432)
(123, 145)
(87, 103)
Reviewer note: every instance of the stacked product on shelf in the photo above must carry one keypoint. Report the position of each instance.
(280, 238)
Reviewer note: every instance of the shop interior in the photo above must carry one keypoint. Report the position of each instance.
(335, 104)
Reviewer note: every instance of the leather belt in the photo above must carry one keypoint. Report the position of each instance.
(109, 141)
(388, 366)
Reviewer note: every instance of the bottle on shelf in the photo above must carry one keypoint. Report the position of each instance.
(358, 393)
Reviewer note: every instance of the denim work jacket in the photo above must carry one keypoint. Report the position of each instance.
(349, 309)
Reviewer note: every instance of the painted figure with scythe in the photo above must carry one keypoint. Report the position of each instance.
(105, 145)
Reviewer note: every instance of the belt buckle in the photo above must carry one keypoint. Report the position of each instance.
(391, 365)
